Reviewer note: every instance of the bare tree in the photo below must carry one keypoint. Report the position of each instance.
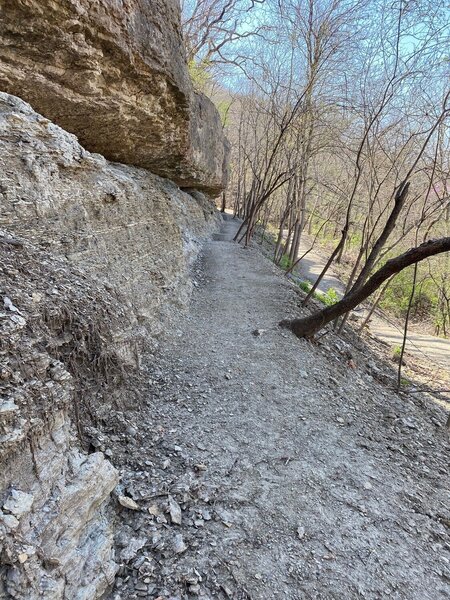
(210, 26)
(309, 326)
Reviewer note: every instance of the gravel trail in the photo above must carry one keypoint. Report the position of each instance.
(264, 466)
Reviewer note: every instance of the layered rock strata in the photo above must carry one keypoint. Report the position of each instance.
(114, 74)
(124, 225)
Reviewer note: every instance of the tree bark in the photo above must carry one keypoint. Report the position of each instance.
(308, 326)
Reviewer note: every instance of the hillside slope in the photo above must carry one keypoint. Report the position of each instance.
(268, 467)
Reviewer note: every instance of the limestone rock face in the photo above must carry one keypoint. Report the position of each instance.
(94, 264)
(133, 230)
(114, 73)
(56, 534)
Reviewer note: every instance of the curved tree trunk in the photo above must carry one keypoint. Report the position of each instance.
(308, 326)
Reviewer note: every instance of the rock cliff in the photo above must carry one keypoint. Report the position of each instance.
(124, 225)
(95, 261)
(114, 73)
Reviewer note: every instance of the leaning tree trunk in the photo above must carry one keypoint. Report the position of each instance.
(309, 326)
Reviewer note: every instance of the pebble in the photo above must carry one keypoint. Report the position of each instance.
(127, 502)
(258, 332)
(178, 544)
(174, 511)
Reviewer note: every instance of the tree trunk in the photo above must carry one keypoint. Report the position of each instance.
(308, 326)
(325, 269)
(399, 202)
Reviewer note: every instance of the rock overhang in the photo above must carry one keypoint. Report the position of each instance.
(115, 75)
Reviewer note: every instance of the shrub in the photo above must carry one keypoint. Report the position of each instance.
(285, 262)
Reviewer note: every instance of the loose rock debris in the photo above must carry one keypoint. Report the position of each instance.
(296, 477)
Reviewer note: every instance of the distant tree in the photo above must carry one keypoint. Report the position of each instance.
(210, 26)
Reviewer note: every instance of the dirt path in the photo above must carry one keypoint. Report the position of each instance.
(426, 347)
(272, 467)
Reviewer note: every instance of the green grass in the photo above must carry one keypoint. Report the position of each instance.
(285, 262)
(305, 286)
(396, 352)
(329, 298)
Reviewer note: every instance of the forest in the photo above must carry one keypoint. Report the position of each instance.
(337, 114)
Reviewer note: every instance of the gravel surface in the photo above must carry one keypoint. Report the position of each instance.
(261, 466)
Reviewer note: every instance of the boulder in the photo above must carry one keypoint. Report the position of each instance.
(114, 73)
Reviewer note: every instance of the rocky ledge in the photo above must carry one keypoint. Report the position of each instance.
(115, 74)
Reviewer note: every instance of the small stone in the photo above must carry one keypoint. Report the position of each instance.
(18, 503)
(206, 515)
(154, 510)
(8, 406)
(178, 544)
(9, 521)
(258, 332)
(161, 519)
(174, 511)
(367, 485)
(127, 502)
(7, 303)
(300, 532)
(133, 548)
(200, 467)
(23, 557)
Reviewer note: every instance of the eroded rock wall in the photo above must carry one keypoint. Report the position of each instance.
(114, 73)
(134, 230)
(94, 263)
(57, 341)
